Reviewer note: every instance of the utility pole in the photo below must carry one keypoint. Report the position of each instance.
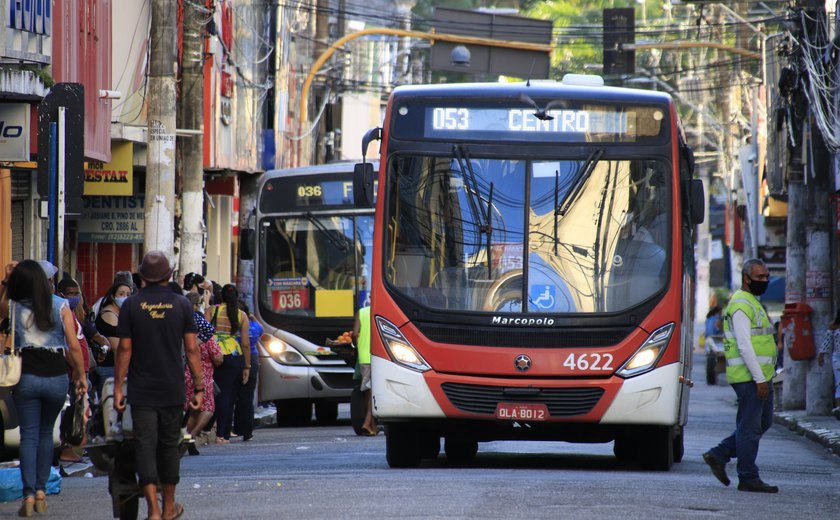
(793, 390)
(160, 152)
(191, 147)
(819, 392)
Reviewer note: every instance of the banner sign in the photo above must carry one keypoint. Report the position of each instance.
(14, 132)
(112, 219)
(112, 178)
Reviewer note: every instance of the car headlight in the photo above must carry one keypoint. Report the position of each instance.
(648, 354)
(281, 351)
(400, 348)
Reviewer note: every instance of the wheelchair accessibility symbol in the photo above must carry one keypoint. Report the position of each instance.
(542, 296)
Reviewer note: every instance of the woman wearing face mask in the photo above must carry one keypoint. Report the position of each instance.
(106, 323)
(68, 289)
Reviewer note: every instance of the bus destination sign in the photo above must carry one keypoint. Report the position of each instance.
(574, 123)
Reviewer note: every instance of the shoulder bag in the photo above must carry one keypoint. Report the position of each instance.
(11, 363)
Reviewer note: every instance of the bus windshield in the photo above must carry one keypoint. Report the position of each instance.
(582, 235)
(315, 266)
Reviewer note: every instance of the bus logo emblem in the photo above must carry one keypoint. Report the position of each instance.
(522, 362)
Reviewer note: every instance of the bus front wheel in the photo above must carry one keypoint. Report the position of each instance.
(326, 412)
(460, 450)
(657, 454)
(402, 448)
(293, 412)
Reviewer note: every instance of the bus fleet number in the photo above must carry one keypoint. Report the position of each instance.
(593, 361)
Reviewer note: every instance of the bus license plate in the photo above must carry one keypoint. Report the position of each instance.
(522, 412)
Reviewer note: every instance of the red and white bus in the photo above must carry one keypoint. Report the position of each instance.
(532, 269)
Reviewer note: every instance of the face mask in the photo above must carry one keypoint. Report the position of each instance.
(74, 301)
(119, 301)
(757, 287)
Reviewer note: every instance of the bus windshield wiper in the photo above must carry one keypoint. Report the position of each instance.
(474, 195)
(341, 244)
(583, 175)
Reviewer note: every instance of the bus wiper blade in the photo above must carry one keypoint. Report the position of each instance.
(474, 196)
(341, 244)
(585, 171)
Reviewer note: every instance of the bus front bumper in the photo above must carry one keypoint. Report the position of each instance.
(278, 381)
(648, 399)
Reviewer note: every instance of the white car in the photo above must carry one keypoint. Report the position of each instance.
(10, 424)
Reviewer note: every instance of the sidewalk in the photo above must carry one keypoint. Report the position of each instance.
(823, 429)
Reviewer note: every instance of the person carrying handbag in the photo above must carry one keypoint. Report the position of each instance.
(44, 332)
(235, 369)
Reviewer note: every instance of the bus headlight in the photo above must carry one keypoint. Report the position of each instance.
(281, 351)
(399, 348)
(648, 354)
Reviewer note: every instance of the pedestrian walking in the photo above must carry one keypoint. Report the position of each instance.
(750, 352)
(69, 289)
(44, 331)
(236, 368)
(243, 408)
(211, 356)
(361, 335)
(830, 347)
(153, 326)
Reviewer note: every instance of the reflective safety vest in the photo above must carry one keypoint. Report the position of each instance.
(761, 337)
(363, 342)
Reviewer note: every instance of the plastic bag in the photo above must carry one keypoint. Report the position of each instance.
(11, 486)
(73, 422)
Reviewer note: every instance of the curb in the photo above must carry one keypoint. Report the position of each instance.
(827, 438)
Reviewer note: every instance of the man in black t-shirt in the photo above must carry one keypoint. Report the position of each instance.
(153, 325)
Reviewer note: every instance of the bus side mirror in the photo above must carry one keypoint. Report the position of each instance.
(698, 202)
(689, 159)
(363, 185)
(247, 243)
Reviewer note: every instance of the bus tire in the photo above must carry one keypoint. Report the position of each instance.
(293, 412)
(679, 447)
(625, 449)
(429, 445)
(658, 452)
(460, 450)
(357, 418)
(402, 445)
(326, 412)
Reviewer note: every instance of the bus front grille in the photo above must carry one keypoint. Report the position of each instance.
(561, 402)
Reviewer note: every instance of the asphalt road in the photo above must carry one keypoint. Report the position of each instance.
(329, 473)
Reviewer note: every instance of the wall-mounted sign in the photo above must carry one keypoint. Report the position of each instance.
(14, 132)
(112, 219)
(33, 16)
(112, 178)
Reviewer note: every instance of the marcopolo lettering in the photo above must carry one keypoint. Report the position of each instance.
(528, 322)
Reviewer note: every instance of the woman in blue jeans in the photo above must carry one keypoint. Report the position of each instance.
(44, 332)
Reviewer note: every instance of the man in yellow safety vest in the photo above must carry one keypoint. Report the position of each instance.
(750, 352)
